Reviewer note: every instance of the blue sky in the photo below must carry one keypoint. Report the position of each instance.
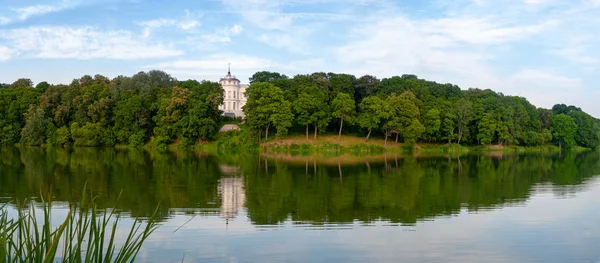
(545, 50)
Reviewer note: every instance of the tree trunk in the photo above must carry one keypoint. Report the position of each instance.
(397, 137)
(307, 131)
(368, 134)
(386, 136)
(459, 136)
(315, 131)
(267, 133)
(341, 125)
(560, 144)
(340, 170)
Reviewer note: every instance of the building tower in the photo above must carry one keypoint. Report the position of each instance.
(234, 98)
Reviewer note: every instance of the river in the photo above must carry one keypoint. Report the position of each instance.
(242, 207)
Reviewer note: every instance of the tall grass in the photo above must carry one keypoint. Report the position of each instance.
(87, 234)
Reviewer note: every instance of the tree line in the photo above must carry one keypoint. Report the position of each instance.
(410, 110)
(153, 107)
(95, 111)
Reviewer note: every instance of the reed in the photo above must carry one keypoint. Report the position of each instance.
(87, 234)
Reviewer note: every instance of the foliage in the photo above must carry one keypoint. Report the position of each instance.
(154, 107)
(36, 127)
(564, 129)
(343, 108)
(267, 107)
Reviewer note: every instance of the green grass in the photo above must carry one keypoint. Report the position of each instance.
(86, 235)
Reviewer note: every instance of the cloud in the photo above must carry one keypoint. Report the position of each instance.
(480, 31)
(214, 66)
(83, 43)
(6, 53)
(544, 88)
(393, 46)
(34, 10)
(188, 22)
(223, 35)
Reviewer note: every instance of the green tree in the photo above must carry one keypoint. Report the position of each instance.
(464, 114)
(373, 111)
(266, 76)
(487, 129)
(264, 102)
(343, 108)
(587, 129)
(432, 122)
(564, 129)
(37, 126)
(22, 83)
(413, 131)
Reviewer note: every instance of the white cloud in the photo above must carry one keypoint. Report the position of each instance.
(392, 46)
(34, 10)
(83, 43)
(236, 29)
(222, 35)
(214, 66)
(544, 88)
(6, 53)
(188, 22)
(262, 13)
(480, 31)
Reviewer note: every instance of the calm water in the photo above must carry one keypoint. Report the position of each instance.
(246, 208)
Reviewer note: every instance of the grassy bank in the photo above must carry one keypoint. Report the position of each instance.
(331, 145)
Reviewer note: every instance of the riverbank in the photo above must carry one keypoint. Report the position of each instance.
(331, 145)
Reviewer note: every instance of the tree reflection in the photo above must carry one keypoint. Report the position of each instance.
(310, 190)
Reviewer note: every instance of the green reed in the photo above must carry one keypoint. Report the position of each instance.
(87, 234)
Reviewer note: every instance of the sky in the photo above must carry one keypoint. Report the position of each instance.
(547, 51)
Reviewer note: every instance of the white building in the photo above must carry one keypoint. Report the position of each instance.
(234, 95)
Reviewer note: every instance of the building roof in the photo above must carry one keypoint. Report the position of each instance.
(229, 76)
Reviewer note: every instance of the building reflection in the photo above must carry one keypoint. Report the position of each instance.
(231, 190)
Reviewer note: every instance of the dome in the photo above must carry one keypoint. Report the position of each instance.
(229, 76)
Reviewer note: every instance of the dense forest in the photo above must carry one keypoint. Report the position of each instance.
(153, 107)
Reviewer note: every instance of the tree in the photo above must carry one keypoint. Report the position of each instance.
(487, 129)
(587, 129)
(403, 110)
(413, 131)
(42, 86)
(23, 82)
(311, 107)
(266, 76)
(373, 111)
(37, 125)
(343, 108)
(464, 115)
(564, 129)
(365, 86)
(282, 119)
(264, 103)
(432, 122)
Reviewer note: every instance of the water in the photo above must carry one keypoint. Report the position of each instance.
(248, 208)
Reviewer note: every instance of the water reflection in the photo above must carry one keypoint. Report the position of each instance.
(271, 190)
